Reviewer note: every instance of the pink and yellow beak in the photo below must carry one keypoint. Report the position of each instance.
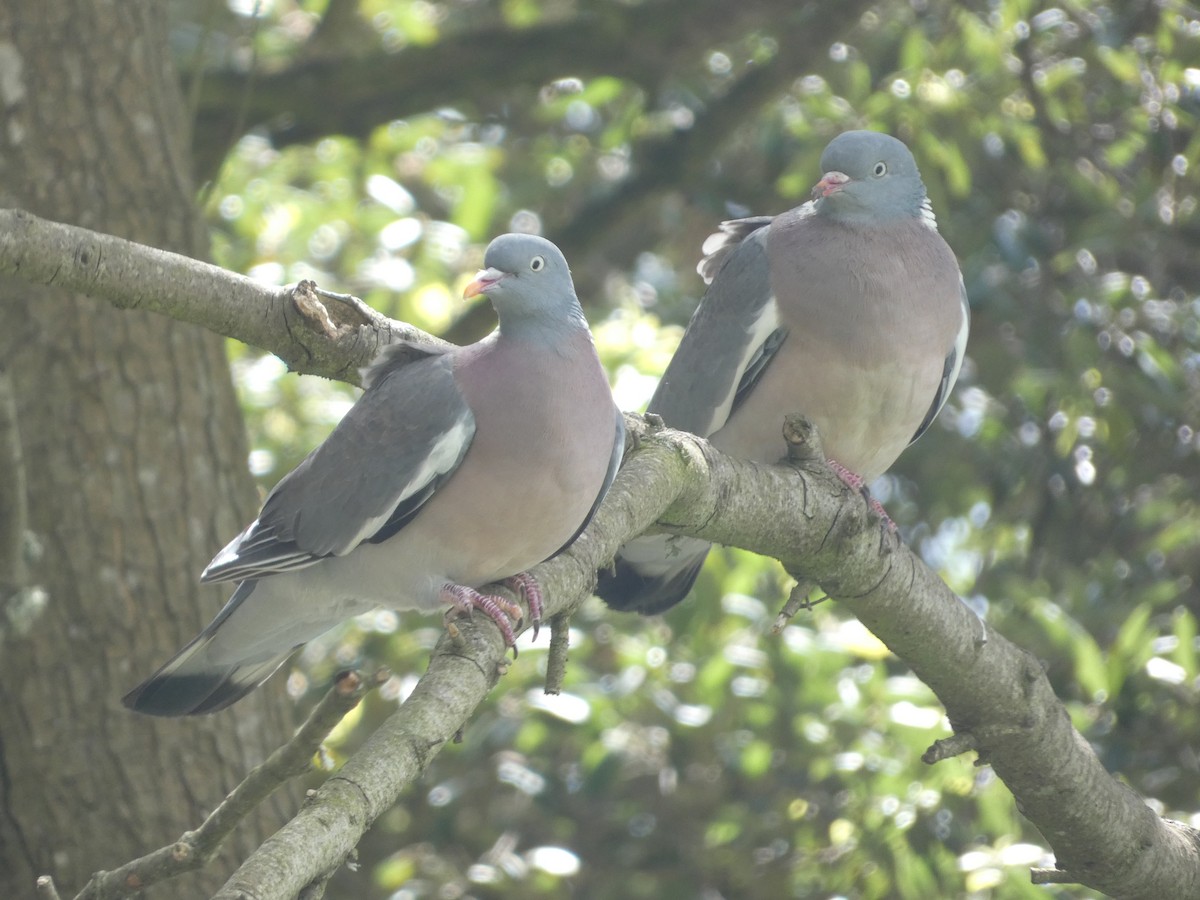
(830, 183)
(484, 280)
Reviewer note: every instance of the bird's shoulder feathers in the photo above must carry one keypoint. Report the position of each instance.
(404, 437)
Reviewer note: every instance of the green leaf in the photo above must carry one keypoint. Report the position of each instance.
(1130, 648)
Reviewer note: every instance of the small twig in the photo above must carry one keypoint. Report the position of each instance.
(309, 305)
(306, 297)
(958, 743)
(371, 316)
(195, 848)
(46, 889)
(556, 663)
(797, 600)
(803, 441)
(293, 758)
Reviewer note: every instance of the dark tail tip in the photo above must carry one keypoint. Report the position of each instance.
(195, 693)
(182, 695)
(626, 589)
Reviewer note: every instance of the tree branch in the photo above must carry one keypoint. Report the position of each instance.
(617, 224)
(1103, 834)
(195, 848)
(680, 158)
(352, 95)
(284, 321)
(659, 164)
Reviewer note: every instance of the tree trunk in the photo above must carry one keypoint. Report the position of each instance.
(134, 467)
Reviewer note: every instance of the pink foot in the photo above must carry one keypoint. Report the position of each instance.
(502, 612)
(527, 587)
(855, 482)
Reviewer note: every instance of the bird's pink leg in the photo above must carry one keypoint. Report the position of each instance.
(503, 612)
(527, 587)
(855, 482)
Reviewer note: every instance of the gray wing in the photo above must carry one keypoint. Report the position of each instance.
(718, 246)
(614, 463)
(732, 336)
(952, 366)
(404, 437)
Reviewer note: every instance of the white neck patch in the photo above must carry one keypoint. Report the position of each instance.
(927, 216)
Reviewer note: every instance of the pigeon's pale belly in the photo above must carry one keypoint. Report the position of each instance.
(550, 449)
(865, 425)
(864, 364)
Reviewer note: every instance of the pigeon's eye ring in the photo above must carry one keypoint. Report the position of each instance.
(537, 263)
(880, 169)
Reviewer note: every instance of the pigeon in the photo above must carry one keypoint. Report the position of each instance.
(849, 309)
(454, 469)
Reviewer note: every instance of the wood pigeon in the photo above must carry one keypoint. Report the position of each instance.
(453, 470)
(849, 309)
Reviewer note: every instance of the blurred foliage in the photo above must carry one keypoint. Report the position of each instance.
(696, 755)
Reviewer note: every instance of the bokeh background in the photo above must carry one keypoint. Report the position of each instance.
(380, 144)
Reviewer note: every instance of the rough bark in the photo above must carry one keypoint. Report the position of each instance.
(133, 464)
(134, 276)
(1002, 705)
(997, 696)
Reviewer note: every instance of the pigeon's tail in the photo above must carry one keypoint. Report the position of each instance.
(197, 680)
(650, 575)
(187, 686)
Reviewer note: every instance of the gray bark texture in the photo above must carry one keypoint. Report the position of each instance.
(122, 467)
(122, 470)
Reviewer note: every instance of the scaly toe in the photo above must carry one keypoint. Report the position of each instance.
(502, 612)
(526, 586)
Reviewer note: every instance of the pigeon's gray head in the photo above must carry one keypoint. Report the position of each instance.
(869, 177)
(526, 278)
